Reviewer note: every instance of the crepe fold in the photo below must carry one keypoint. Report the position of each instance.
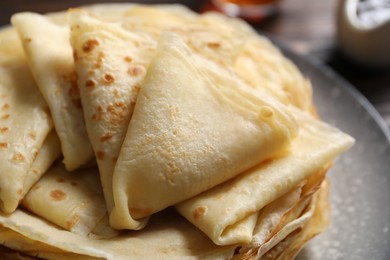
(25, 124)
(50, 59)
(184, 132)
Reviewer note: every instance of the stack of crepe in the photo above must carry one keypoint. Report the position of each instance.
(131, 131)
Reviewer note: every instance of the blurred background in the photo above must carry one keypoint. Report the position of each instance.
(308, 27)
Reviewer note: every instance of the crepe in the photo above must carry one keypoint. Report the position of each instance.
(25, 123)
(169, 124)
(49, 55)
(205, 136)
(110, 66)
(219, 212)
(28, 234)
(263, 66)
(71, 200)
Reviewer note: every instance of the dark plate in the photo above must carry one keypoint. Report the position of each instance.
(360, 178)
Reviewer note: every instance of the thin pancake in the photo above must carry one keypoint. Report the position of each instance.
(189, 133)
(50, 59)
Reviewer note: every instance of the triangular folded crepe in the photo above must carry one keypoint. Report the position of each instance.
(220, 211)
(189, 133)
(110, 64)
(24, 122)
(71, 200)
(49, 55)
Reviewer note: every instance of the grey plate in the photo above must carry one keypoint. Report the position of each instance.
(360, 179)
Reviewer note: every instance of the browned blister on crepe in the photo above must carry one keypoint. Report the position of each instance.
(25, 122)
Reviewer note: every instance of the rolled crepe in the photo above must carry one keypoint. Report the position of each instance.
(73, 201)
(219, 212)
(25, 122)
(189, 133)
(110, 64)
(50, 59)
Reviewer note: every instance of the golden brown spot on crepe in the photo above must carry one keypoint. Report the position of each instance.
(106, 136)
(114, 159)
(140, 212)
(116, 93)
(28, 40)
(136, 89)
(89, 45)
(20, 191)
(32, 135)
(118, 111)
(213, 45)
(136, 71)
(73, 183)
(4, 145)
(5, 106)
(100, 155)
(6, 116)
(35, 171)
(18, 157)
(128, 59)
(72, 221)
(266, 112)
(61, 180)
(73, 92)
(4, 130)
(108, 78)
(90, 83)
(199, 212)
(57, 195)
(99, 60)
(98, 115)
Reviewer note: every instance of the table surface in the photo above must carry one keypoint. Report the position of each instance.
(307, 26)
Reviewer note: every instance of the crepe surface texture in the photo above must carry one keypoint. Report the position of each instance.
(152, 132)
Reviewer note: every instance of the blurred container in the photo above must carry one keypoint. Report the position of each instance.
(363, 30)
(250, 10)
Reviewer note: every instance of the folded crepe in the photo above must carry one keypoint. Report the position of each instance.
(186, 118)
(189, 133)
(25, 124)
(50, 58)
(71, 200)
(220, 212)
(110, 64)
